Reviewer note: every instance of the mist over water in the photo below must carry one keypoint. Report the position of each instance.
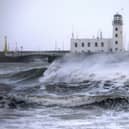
(87, 91)
(77, 68)
(87, 79)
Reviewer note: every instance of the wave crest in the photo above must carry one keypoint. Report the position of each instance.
(87, 79)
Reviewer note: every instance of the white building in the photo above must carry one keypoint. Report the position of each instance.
(100, 44)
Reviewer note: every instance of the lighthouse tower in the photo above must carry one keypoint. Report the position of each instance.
(117, 44)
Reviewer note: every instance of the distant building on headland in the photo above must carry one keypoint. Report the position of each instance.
(100, 44)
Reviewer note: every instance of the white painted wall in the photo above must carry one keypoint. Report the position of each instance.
(92, 48)
(118, 32)
(110, 44)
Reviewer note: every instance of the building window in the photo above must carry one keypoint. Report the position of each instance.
(116, 29)
(88, 44)
(116, 49)
(102, 44)
(83, 44)
(116, 35)
(76, 44)
(116, 42)
(96, 44)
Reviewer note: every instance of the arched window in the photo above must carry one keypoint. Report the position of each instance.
(116, 35)
(96, 44)
(116, 49)
(116, 42)
(116, 29)
(102, 44)
(88, 44)
(76, 44)
(83, 44)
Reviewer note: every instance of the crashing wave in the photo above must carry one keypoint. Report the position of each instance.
(86, 79)
(76, 81)
(78, 68)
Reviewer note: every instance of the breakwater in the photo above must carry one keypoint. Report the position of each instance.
(25, 56)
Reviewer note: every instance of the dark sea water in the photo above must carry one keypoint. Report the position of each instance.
(73, 92)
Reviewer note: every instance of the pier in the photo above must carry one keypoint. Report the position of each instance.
(23, 56)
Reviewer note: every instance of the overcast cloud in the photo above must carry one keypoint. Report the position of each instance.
(40, 24)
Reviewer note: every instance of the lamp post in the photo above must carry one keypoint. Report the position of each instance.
(21, 49)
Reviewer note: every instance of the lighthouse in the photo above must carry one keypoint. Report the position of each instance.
(117, 23)
(101, 44)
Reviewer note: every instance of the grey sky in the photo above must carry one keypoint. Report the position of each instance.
(37, 24)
